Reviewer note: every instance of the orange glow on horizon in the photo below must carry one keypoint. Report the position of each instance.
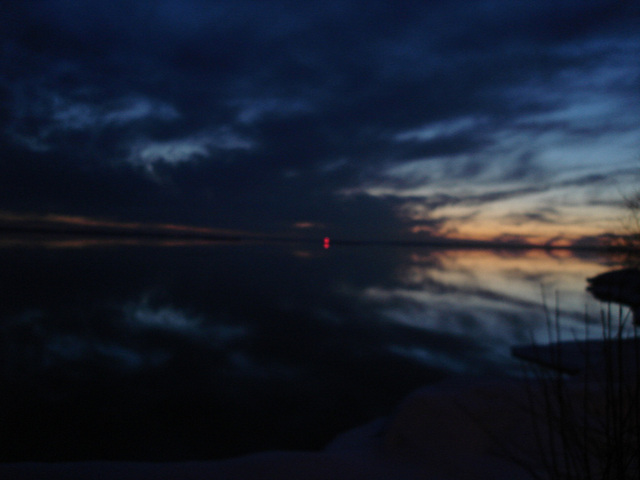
(489, 230)
(76, 243)
(81, 221)
(565, 236)
(547, 218)
(306, 225)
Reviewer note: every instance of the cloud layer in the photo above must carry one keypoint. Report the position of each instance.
(374, 119)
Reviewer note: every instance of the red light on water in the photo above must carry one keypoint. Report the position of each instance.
(327, 242)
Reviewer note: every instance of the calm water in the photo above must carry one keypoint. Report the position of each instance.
(171, 352)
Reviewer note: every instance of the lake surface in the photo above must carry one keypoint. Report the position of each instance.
(167, 351)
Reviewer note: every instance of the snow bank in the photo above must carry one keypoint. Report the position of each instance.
(446, 431)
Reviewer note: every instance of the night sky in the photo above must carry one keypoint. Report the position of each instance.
(409, 120)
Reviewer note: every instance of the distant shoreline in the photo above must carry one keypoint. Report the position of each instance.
(187, 235)
(98, 232)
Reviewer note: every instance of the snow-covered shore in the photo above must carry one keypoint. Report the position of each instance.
(462, 428)
(439, 432)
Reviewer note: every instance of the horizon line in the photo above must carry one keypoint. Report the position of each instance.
(196, 234)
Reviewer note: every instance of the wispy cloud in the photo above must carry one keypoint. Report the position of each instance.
(69, 115)
(203, 145)
(440, 129)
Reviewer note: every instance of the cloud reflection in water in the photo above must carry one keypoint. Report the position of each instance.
(496, 298)
(212, 351)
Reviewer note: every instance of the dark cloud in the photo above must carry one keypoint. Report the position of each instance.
(546, 216)
(267, 113)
